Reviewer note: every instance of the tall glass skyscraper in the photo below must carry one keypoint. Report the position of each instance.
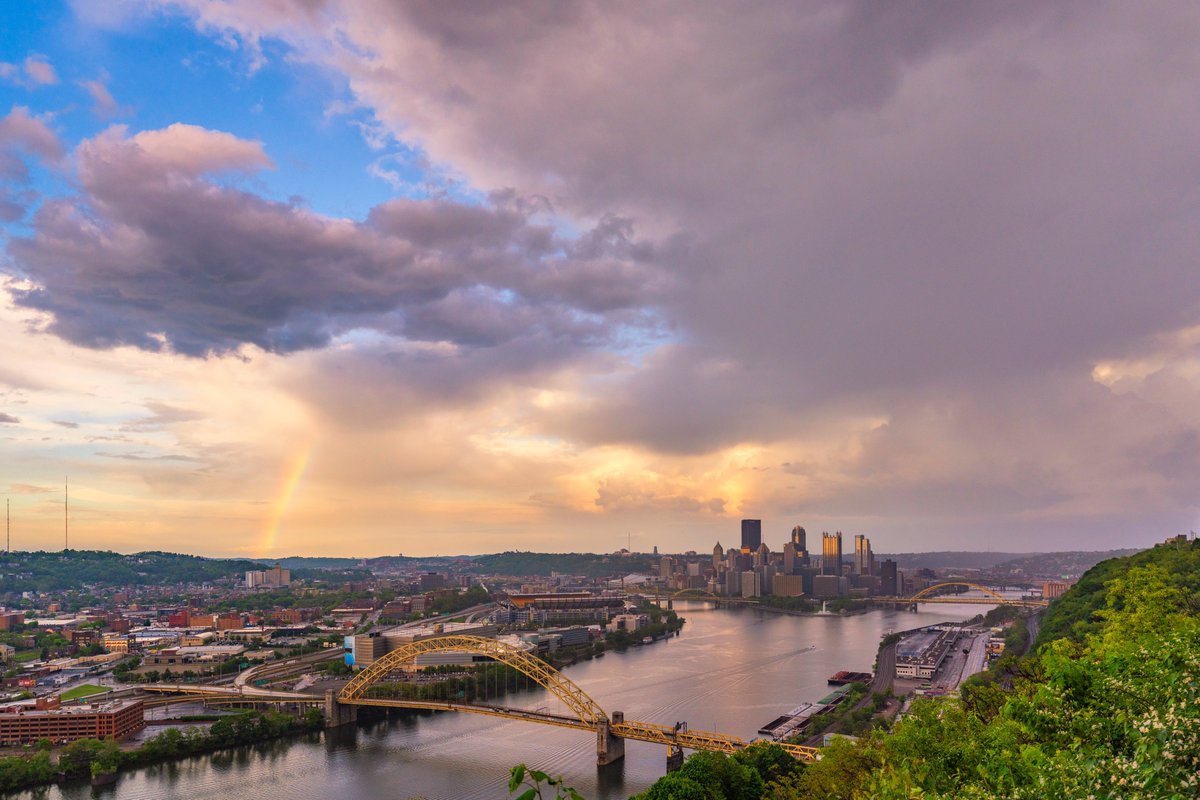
(751, 535)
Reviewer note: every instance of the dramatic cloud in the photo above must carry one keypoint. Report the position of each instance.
(157, 254)
(880, 206)
(923, 269)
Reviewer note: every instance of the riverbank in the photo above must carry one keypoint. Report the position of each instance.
(86, 759)
(729, 671)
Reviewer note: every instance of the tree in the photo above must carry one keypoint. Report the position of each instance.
(674, 786)
(535, 781)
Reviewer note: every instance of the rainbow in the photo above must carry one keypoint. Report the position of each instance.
(289, 481)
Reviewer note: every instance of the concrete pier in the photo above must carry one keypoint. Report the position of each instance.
(337, 714)
(674, 758)
(609, 748)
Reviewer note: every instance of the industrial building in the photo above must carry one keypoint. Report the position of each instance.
(919, 654)
(21, 723)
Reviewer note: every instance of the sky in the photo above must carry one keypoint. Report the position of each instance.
(358, 277)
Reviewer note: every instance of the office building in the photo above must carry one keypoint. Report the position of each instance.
(864, 559)
(717, 555)
(1054, 589)
(888, 583)
(44, 718)
(788, 585)
(751, 535)
(274, 577)
(831, 553)
(800, 538)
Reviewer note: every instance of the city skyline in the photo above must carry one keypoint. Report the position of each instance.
(359, 278)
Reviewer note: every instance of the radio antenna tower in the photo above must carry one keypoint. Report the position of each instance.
(7, 525)
(67, 513)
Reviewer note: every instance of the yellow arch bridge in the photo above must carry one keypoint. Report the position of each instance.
(936, 594)
(582, 712)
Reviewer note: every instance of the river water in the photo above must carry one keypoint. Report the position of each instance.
(730, 671)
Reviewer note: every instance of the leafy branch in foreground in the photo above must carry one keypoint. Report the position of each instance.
(535, 780)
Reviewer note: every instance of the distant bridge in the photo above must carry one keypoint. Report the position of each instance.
(583, 712)
(933, 594)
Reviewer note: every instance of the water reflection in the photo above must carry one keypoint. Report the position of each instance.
(731, 670)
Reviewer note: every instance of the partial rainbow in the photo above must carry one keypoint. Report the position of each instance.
(289, 482)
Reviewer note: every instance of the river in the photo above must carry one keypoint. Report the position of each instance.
(730, 671)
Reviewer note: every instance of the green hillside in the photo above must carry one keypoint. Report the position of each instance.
(1107, 707)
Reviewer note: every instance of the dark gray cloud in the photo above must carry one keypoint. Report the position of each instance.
(8, 419)
(152, 254)
(925, 221)
(62, 423)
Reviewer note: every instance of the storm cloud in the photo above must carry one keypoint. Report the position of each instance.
(158, 253)
(924, 268)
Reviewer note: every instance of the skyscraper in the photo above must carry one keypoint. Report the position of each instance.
(864, 559)
(762, 555)
(751, 535)
(799, 538)
(831, 553)
(888, 585)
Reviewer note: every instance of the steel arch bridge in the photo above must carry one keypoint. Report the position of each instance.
(930, 595)
(586, 713)
(703, 594)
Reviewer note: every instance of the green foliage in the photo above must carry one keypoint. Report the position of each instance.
(1112, 710)
(83, 690)
(675, 786)
(534, 781)
(449, 602)
(17, 772)
(806, 604)
(1077, 613)
(715, 776)
(75, 569)
(539, 564)
(337, 668)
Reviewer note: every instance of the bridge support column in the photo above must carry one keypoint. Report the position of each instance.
(670, 603)
(338, 714)
(674, 758)
(609, 748)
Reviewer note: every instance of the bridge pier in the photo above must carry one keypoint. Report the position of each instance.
(609, 748)
(338, 714)
(674, 758)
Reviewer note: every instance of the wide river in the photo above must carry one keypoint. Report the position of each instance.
(730, 670)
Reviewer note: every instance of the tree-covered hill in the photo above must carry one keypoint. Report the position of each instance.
(73, 569)
(541, 564)
(1078, 612)
(1107, 707)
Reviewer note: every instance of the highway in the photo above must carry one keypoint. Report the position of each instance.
(279, 669)
(885, 671)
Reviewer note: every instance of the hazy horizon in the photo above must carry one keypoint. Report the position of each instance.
(328, 276)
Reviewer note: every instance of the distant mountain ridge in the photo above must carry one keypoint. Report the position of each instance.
(1059, 562)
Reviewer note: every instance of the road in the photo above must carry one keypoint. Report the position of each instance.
(465, 613)
(976, 659)
(885, 670)
(277, 669)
